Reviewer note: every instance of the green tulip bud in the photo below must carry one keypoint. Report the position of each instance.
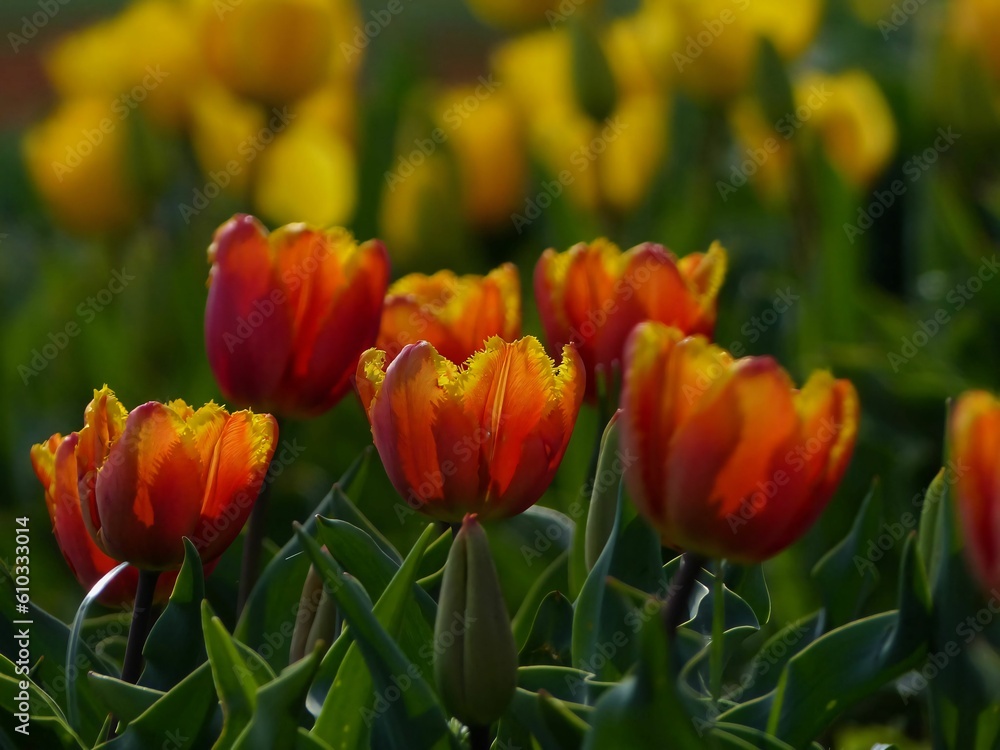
(315, 619)
(475, 666)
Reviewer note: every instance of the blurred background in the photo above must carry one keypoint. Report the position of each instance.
(845, 152)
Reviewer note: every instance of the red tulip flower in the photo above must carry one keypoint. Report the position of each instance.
(593, 295)
(731, 461)
(456, 314)
(289, 313)
(485, 437)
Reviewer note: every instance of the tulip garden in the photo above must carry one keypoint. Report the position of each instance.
(511, 374)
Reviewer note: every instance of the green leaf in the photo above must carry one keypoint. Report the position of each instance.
(415, 716)
(235, 682)
(269, 615)
(767, 665)
(847, 573)
(772, 85)
(182, 717)
(747, 582)
(166, 664)
(553, 578)
(46, 723)
(566, 727)
(604, 625)
(123, 699)
(644, 711)
(844, 665)
(73, 646)
(551, 636)
(275, 721)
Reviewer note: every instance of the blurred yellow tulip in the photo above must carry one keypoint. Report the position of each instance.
(78, 159)
(640, 46)
(334, 105)
(791, 27)
(307, 174)
(223, 132)
(272, 50)
(764, 155)
(974, 24)
(484, 134)
(144, 57)
(855, 123)
(635, 155)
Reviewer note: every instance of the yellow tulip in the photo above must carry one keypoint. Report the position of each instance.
(791, 27)
(79, 162)
(225, 132)
(484, 134)
(973, 24)
(145, 57)
(855, 123)
(635, 155)
(754, 134)
(272, 50)
(307, 174)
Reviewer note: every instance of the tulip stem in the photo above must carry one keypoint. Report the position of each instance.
(252, 545)
(479, 738)
(718, 631)
(142, 617)
(681, 587)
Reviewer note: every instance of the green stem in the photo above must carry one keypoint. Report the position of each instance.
(479, 738)
(142, 618)
(718, 630)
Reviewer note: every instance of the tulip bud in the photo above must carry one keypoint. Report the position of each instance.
(476, 675)
(604, 495)
(316, 618)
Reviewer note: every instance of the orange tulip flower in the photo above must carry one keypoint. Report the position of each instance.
(730, 460)
(289, 313)
(483, 438)
(457, 314)
(594, 295)
(974, 433)
(162, 472)
(62, 471)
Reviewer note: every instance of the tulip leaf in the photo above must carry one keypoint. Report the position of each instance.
(604, 625)
(644, 711)
(565, 683)
(123, 699)
(269, 616)
(414, 719)
(566, 728)
(182, 717)
(773, 87)
(360, 557)
(524, 546)
(50, 636)
(554, 578)
(847, 574)
(844, 665)
(767, 664)
(551, 636)
(748, 583)
(47, 725)
(236, 679)
(166, 664)
(275, 721)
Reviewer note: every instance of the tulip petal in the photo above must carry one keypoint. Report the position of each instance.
(149, 490)
(247, 325)
(236, 472)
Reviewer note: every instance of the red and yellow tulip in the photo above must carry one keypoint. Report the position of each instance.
(139, 482)
(289, 313)
(483, 438)
(731, 461)
(974, 432)
(593, 295)
(456, 314)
